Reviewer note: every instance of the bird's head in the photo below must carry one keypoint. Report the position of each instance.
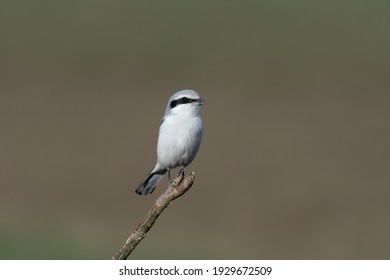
(184, 102)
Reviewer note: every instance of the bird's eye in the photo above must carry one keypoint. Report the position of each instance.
(182, 100)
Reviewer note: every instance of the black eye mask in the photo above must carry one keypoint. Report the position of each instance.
(183, 100)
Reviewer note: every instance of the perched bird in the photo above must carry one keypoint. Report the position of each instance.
(179, 138)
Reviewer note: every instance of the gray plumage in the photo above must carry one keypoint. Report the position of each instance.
(179, 138)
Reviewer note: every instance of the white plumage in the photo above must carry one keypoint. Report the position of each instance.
(179, 137)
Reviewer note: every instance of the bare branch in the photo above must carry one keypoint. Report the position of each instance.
(176, 189)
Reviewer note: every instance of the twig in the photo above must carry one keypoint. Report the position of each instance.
(176, 189)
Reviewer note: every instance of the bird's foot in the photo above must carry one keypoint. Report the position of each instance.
(182, 172)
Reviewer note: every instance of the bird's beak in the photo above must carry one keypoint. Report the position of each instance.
(199, 102)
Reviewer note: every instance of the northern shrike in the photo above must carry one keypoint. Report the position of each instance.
(179, 137)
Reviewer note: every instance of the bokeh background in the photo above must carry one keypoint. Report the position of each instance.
(294, 162)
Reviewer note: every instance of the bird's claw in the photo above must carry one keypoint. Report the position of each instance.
(182, 172)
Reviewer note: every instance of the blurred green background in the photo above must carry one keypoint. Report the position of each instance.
(294, 162)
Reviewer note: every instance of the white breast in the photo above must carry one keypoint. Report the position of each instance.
(179, 140)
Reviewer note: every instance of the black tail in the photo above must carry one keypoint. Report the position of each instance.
(148, 185)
